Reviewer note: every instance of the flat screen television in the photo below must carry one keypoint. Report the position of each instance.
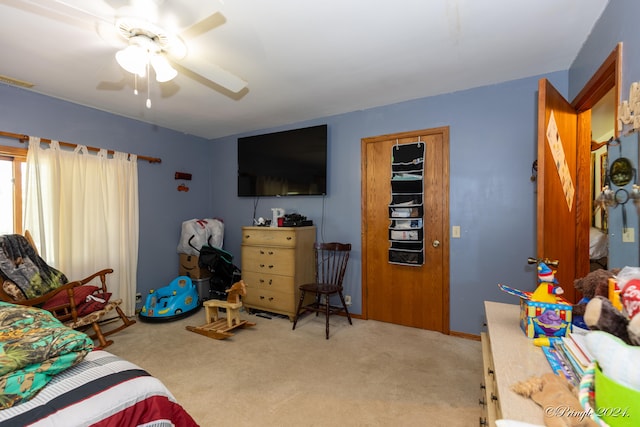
(288, 163)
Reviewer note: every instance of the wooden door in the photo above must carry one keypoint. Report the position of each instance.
(416, 296)
(563, 204)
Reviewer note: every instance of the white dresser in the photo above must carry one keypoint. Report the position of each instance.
(508, 357)
(275, 262)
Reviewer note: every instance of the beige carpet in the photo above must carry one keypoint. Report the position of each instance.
(368, 374)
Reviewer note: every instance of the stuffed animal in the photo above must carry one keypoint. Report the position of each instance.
(601, 314)
(593, 284)
(558, 399)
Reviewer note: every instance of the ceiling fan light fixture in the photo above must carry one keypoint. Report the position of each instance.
(164, 70)
(133, 58)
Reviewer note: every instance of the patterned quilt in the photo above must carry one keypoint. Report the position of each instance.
(34, 346)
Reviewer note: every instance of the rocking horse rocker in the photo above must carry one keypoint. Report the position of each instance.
(217, 327)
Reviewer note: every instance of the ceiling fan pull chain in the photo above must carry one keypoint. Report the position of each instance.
(148, 88)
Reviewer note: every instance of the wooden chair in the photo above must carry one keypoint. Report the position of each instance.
(331, 264)
(66, 309)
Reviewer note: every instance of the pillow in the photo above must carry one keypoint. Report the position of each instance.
(93, 303)
(80, 294)
(34, 346)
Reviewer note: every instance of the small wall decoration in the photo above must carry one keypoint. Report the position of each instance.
(557, 150)
(406, 209)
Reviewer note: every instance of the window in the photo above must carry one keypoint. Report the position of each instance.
(12, 175)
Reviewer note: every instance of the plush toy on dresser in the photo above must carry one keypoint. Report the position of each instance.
(601, 313)
(594, 284)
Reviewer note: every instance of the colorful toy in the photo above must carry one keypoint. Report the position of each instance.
(543, 312)
(176, 300)
(547, 289)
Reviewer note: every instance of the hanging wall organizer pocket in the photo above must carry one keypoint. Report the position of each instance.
(406, 210)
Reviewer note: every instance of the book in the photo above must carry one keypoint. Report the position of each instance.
(581, 343)
(576, 352)
(570, 363)
(558, 366)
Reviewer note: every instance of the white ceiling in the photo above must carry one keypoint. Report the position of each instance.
(301, 59)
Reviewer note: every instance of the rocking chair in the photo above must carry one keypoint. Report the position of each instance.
(26, 279)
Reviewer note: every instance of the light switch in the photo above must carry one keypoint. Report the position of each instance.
(455, 231)
(629, 235)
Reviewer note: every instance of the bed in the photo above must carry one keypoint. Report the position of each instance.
(97, 388)
(598, 249)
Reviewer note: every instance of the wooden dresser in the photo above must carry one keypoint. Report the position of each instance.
(508, 357)
(275, 261)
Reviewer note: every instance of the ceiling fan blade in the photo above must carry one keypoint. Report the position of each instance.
(207, 24)
(97, 9)
(214, 74)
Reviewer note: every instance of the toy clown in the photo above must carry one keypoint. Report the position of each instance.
(547, 289)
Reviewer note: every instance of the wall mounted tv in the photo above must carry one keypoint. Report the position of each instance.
(288, 163)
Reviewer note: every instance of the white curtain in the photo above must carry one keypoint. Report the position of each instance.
(82, 210)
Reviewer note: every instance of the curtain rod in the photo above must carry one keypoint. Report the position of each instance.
(24, 138)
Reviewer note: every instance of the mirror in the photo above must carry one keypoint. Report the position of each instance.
(621, 172)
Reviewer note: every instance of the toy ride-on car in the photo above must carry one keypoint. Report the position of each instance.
(178, 299)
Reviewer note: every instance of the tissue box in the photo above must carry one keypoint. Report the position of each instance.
(540, 319)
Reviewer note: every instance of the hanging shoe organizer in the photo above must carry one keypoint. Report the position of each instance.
(406, 211)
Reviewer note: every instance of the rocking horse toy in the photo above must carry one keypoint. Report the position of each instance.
(217, 327)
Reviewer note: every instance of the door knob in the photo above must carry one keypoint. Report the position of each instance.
(436, 243)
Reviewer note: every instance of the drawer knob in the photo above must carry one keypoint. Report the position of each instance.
(482, 386)
(247, 236)
(270, 252)
(481, 402)
(483, 422)
(270, 298)
(490, 371)
(261, 265)
(271, 266)
(494, 398)
(270, 281)
(261, 296)
(261, 252)
(288, 237)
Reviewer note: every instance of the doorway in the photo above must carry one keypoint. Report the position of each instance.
(563, 228)
(408, 295)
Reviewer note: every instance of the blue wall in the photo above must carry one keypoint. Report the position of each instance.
(492, 147)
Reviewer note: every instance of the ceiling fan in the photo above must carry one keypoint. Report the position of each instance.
(150, 46)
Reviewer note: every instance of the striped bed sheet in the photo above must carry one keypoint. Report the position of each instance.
(102, 390)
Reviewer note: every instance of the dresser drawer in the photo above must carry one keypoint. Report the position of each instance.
(270, 300)
(265, 236)
(257, 281)
(271, 260)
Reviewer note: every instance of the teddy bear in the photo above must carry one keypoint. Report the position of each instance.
(557, 398)
(594, 284)
(601, 314)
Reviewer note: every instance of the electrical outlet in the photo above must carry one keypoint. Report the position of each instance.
(629, 235)
(138, 297)
(347, 299)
